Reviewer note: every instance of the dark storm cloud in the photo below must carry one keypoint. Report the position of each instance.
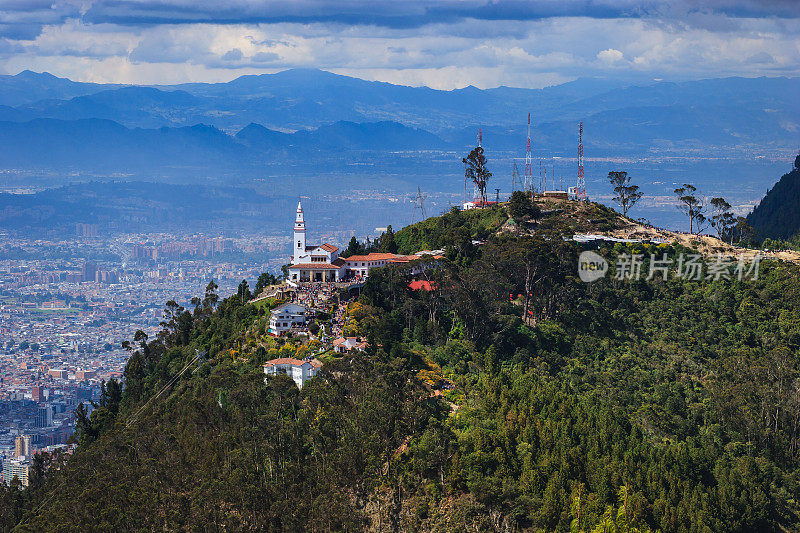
(413, 13)
(353, 12)
(19, 19)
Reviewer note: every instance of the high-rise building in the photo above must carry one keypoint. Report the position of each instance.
(22, 445)
(58, 373)
(86, 230)
(89, 271)
(44, 417)
(16, 468)
(36, 393)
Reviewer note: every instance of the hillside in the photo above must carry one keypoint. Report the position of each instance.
(777, 216)
(560, 219)
(512, 396)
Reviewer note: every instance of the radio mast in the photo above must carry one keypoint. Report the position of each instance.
(580, 189)
(528, 169)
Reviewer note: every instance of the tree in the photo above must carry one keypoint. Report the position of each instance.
(388, 242)
(476, 170)
(626, 194)
(521, 206)
(744, 231)
(692, 206)
(210, 299)
(243, 292)
(84, 431)
(723, 219)
(354, 247)
(264, 280)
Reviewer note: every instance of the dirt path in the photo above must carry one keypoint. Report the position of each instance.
(705, 244)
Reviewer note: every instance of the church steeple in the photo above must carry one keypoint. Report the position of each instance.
(299, 233)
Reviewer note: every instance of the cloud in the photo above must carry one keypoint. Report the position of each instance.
(30, 14)
(610, 56)
(440, 43)
(760, 58)
(232, 55)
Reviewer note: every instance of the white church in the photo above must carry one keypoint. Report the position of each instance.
(321, 264)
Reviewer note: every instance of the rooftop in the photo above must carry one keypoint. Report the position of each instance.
(292, 361)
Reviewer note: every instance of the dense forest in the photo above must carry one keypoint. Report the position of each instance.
(777, 216)
(511, 397)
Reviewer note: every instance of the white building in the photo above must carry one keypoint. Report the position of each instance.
(18, 468)
(287, 317)
(300, 371)
(344, 344)
(312, 263)
(323, 264)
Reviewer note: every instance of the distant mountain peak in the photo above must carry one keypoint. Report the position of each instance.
(30, 74)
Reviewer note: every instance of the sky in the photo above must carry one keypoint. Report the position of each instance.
(444, 44)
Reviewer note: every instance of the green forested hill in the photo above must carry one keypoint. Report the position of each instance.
(777, 216)
(611, 406)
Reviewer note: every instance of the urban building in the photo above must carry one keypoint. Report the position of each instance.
(344, 344)
(22, 446)
(287, 317)
(44, 417)
(89, 271)
(18, 468)
(297, 369)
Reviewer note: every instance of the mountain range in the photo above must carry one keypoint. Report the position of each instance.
(312, 110)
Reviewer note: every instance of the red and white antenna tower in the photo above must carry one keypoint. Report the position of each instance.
(480, 136)
(528, 169)
(580, 189)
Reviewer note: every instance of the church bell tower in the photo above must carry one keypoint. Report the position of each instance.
(299, 235)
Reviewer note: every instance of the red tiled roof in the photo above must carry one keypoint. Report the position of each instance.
(329, 247)
(338, 262)
(315, 266)
(285, 361)
(421, 285)
(404, 258)
(374, 256)
(293, 361)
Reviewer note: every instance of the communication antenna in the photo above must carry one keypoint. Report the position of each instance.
(580, 189)
(528, 168)
(465, 183)
(541, 183)
(554, 178)
(419, 203)
(514, 176)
